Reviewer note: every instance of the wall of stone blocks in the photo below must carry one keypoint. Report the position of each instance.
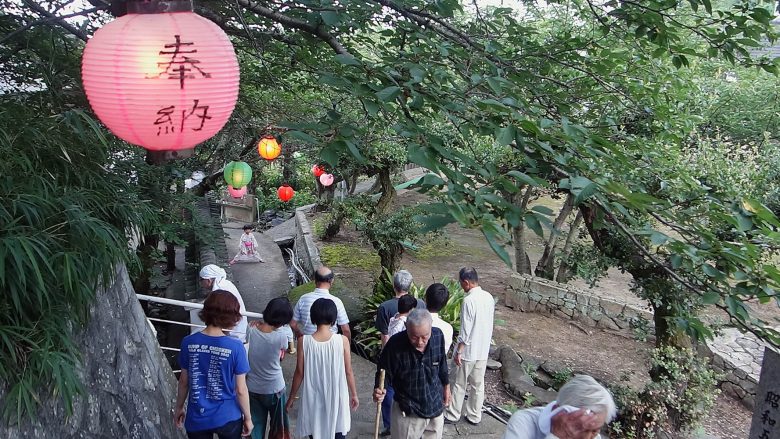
(305, 248)
(530, 294)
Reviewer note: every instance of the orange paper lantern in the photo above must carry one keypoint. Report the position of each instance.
(236, 193)
(269, 148)
(285, 193)
(163, 81)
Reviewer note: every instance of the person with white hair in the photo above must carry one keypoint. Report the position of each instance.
(402, 283)
(213, 278)
(415, 362)
(582, 409)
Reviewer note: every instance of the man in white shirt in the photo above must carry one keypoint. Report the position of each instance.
(471, 352)
(436, 296)
(301, 323)
(583, 408)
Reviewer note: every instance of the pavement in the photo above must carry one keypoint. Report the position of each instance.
(258, 282)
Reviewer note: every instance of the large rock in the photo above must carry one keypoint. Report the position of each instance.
(129, 389)
(518, 382)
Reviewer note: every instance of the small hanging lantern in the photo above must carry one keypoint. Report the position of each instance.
(161, 76)
(326, 179)
(285, 193)
(317, 170)
(237, 174)
(269, 148)
(236, 193)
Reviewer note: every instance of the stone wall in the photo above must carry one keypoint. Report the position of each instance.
(735, 355)
(129, 389)
(530, 294)
(738, 358)
(305, 248)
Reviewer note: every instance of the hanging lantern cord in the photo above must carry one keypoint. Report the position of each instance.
(158, 6)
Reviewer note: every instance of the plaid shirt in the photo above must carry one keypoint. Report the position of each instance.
(418, 378)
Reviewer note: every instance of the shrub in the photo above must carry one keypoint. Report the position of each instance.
(367, 338)
(677, 400)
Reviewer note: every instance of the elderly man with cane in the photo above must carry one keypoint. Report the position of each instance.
(416, 363)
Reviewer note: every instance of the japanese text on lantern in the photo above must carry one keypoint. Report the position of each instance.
(181, 65)
(767, 420)
(165, 118)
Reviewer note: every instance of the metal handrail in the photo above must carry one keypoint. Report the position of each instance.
(186, 304)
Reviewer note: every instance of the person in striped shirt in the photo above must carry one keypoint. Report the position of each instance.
(302, 324)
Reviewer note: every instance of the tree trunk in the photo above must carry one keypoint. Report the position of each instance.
(390, 256)
(352, 182)
(388, 192)
(522, 261)
(288, 167)
(563, 271)
(146, 256)
(546, 266)
(170, 256)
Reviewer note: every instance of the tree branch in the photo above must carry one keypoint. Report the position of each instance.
(294, 23)
(59, 21)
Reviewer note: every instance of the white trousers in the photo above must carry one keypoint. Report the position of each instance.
(469, 378)
(412, 427)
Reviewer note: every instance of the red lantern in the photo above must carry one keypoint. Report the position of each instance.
(269, 148)
(285, 193)
(236, 193)
(317, 170)
(326, 179)
(164, 81)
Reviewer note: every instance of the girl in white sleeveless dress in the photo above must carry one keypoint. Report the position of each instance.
(324, 368)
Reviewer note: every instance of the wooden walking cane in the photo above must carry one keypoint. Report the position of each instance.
(379, 404)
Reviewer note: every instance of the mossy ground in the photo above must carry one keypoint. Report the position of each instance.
(349, 256)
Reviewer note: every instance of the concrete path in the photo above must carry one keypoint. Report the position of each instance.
(257, 282)
(363, 419)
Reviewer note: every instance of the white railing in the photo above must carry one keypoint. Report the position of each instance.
(186, 305)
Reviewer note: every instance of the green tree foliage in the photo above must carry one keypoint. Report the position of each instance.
(64, 225)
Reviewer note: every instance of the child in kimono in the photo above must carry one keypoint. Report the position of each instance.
(248, 249)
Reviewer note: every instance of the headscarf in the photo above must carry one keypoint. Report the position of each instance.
(212, 271)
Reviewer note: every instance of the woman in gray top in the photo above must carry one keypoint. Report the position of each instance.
(265, 380)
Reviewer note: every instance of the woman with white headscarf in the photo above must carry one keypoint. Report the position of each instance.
(214, 278)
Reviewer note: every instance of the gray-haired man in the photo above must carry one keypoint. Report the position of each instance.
(582, 409)
(402, 282)
(416, 363)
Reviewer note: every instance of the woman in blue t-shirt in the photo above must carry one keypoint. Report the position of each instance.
(213, 373)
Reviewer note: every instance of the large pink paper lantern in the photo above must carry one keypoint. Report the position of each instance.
(326, 179)
(163, 81)
(236, 193)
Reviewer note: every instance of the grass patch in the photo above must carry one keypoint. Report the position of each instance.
(436, 247)
(349, 256)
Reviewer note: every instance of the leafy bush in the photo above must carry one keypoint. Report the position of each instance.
(63, 220)
(681, 394)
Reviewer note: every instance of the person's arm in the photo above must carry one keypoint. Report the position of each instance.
(466, 330)
(296, 330)
(380, 323)
(346, 331)
(382, 363)
(444, 373)
(353, 397)
(242, 392)
(297, 376)
(181, 396)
